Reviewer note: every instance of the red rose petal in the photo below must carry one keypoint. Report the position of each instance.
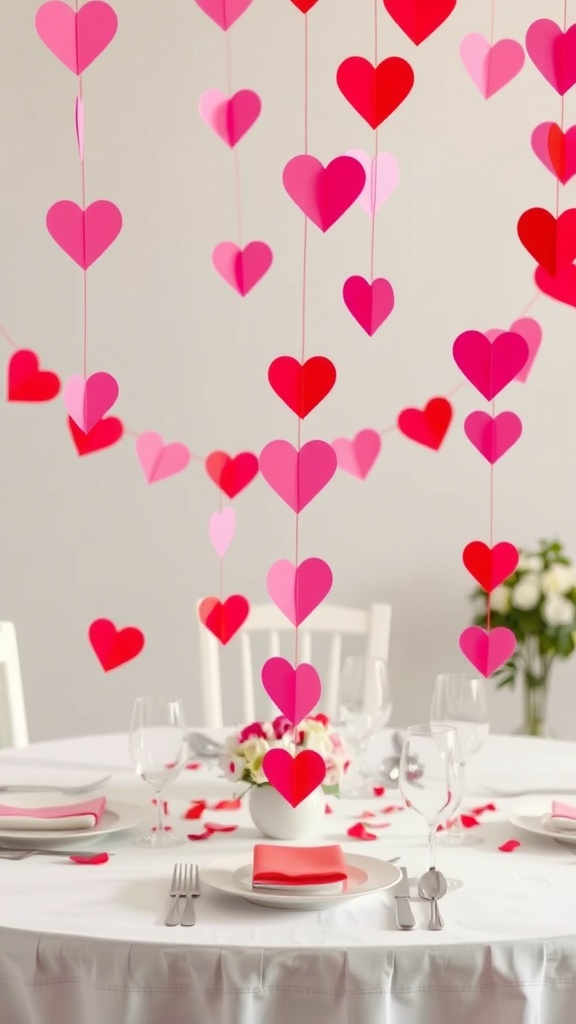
(193, 765)
(509, 846)
(379, 790)
(367, 814)
(200, 835)
(226, 805)
(391, 808)
(328, 809)
(468, 821)
(214, 827)
(94, 858)
(483, 808)
(447, 824)
(359, 831)
(196, 810)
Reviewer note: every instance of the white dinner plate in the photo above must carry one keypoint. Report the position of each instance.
(534, 823)
(116, 818)
(232, 875)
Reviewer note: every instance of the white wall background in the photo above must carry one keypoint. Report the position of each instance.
(82, 538)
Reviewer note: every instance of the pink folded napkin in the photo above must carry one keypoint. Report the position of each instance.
(63, 817)
(285, 866)
(562, 817)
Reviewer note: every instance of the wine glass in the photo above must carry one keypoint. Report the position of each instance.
(459, 700)
(159, 749)
(365, 704)
(434, 790)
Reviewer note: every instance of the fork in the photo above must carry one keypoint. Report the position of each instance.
(55, 789)
(178, 890)
(6, 853)
(189, 915)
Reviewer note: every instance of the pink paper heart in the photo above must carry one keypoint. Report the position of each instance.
(84, 234)
(224, 12)
(87, 401)
(222, 529)
(490, 366)
(159, 460)
(76, 38)
(491, 67)
(487, 652)
(297, 477)
(295, 691)
(243, 268)
(382, 177)
(323, 193)
(230, 118)
(543, 148)
(553, 52)
(493, 437)
(358, 455)
(369, 302)
(297, 591)
(531, 331)
(294, 777)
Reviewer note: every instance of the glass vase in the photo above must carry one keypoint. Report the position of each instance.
(536, 687)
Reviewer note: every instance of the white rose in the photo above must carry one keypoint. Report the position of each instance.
(501, 600)
(559, 579)
(526, 593)
(557, 611)
(253, 751)
(530, 563)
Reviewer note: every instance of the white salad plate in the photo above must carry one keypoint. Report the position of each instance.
(116, 818)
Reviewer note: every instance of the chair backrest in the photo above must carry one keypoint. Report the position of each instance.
(333, 621)
(13, 723)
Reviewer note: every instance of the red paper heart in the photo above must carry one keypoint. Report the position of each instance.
(231, 473)
(304, 5)
(550, 240)
(114, 647)
(419, 18)
(427, 426)
(560, 286)
(302, 386)
(490, 566)
(294, 777)
(375, 92)
(223, 619)
(106, 433)
(27, 382)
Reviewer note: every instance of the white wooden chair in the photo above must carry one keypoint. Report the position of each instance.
(333, 621)
(13, 723)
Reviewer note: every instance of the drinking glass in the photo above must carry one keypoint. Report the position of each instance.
(434, 790)
(365, 704)
(459, 700)
(159, 749)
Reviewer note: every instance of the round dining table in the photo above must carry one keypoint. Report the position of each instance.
(87, 943)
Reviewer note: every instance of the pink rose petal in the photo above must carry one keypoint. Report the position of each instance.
(94, 858)
(359, 831)
(509, 846)
(214, 827)
(226, 805)
(200, 835)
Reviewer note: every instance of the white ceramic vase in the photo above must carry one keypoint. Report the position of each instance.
(277, 819)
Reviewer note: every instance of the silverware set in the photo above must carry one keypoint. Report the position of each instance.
(16, 853)
(185, 887)
(431, 887)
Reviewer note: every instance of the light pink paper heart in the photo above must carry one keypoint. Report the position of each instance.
(294, 777)
(295, 691)
(243, 268)
(553, 52)
(297, 477)
(491, 67)
(230, 118)
(382, 177)
(297, 591)
(531, 331)
(542, 147)
(84, 234)
(490, 366)
(222, 529)
(493, 437)
(487, 652)
(76, 39)
(358, 455)
(323, 193)
(224, 12)
(369, 302)
(87, 401)
(159, 460)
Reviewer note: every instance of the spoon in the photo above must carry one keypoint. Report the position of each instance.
(432, 886)
(203, 746)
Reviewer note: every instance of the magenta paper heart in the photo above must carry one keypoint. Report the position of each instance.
(490, 366)
(358, 455)
(553, 52)
(84, 234)
(297, 591)
(159, 460)
(87, 401)
(222, 529)
(243, 268)
(369, 302)
(382, 177)
(297, 477)
(294, 777)
(543, 142)
(560, 286)
(531, 331)
(76, 38)
(295, 691)
(487, 652)
(491, 67)
(323, 193)
(493, 437)
(224, 12)
(230, 118)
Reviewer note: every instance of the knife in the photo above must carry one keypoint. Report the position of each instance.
(404, 917)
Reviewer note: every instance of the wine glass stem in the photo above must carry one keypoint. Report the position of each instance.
(160, 812)
(432, 846)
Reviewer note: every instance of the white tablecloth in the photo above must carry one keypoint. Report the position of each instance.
(87, 944)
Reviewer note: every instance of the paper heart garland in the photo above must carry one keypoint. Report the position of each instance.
(304, 5)
(531, 331)
(79, 126)
(295, 691)
(323, 193)
(84, 235)
(556, 149)
(298, 590)
(550, 240)
(493, 436)
(88, 400)
(224, 12)
(375, 92)
(106, 433)
(222, 529)
(159, 460)
(490, 567)
(427, 426)
(491, 67)
(490, 366)
(553, 52)
(231, 473)
(369, 302)
(560, 286)
(230, 118)
(243, 268)
(297, 476)
(224, 619)
(294, 777)
(76, 38)
(302, 386)
(358, 455)
(114, 647)
(419, 18)
(487, 651)
(27, 382)
(382, 176)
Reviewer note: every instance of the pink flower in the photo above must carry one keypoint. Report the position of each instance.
(323, 719)
(281, 725)
(254, 729)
